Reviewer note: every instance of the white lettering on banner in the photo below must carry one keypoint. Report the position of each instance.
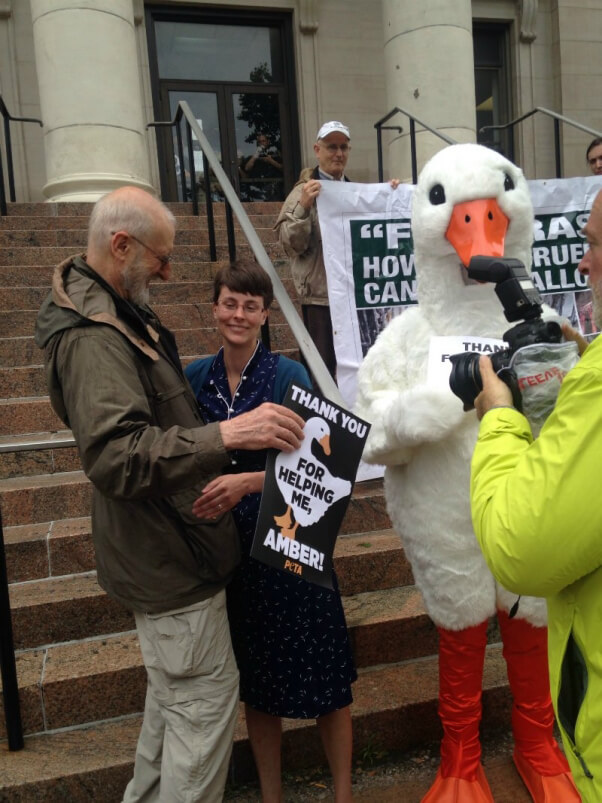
(389, 267)
(547, 256)
(368, 231)
(566, 280)
(538, 282)
(559, 226)
(394, 231)
(390, 293)
(295, 550)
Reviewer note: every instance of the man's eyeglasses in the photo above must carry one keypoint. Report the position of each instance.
(164, 259)
(249, 307)
(332, 148)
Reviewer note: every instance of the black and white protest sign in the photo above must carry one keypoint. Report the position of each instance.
(306, 492)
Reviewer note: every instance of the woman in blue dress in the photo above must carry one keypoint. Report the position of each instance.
(289, 636)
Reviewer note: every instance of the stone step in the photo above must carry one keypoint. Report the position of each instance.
(386, 625)
(48, 497)
(55, 596)
(49, 549)
(80, 222)
(19, 382)
(57, 692)
(62, 209)
(394, 707)
(21, 323)
(28, 461)
(61, 609)
(45, 497)
(30, 380)
(363, 561)
(76, 238)
(17, 322)
(21, 256)
(18, 351)
(192, 292)
(21, 352)
(182, 270)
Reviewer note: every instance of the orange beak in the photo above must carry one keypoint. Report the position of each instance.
(325, 444)
(477, 228)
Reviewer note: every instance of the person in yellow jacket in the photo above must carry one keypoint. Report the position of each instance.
(538, 518)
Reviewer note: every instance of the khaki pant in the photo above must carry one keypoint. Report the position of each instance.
(191, 705)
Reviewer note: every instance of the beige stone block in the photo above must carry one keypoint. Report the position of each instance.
(100, 91)
(580, 24)
(411, 16)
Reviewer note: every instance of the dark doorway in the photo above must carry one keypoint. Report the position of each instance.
(236, 73)
(490, 43)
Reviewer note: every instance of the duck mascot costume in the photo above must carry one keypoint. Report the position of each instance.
(469, 200)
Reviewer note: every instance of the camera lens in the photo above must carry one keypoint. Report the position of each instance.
(465, 378)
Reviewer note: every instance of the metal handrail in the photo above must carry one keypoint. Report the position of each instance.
(8, 666)
(234, 206)
(8, 118)
(558, 118)
(413, 120)
(10, 686)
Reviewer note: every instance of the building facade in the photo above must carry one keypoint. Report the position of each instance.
(262, 77)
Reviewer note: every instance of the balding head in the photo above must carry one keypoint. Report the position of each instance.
(130, 233)
(129, 208)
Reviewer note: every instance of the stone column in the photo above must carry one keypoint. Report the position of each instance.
(90, 97)
(429, 71)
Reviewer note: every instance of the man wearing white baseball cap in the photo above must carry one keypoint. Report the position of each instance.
(299, 232)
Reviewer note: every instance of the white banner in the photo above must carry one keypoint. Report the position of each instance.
(369, 259)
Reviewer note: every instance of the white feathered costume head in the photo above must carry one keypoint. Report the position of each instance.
(469, 200)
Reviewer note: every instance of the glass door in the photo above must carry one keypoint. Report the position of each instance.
(258, 134)
(235, 78)
(204, 106)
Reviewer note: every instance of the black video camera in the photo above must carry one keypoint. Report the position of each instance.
(521, 302)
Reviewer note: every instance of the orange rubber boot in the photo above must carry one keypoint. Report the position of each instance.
(460, 778)
(538, 759)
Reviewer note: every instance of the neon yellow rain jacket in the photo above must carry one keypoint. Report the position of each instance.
(537, 513)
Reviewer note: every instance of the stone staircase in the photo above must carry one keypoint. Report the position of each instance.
(81, 678)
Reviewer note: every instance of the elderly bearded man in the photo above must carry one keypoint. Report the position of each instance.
(115, 378)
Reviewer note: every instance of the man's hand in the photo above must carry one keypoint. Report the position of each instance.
(572, 334)
(309, 192)
(268, 426)
(394, 183)
(495, 393)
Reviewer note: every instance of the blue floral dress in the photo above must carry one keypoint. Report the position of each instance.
(289, 636)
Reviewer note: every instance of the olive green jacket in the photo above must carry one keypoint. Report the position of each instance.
(114, 377)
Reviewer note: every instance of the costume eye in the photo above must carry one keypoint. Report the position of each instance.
(508, 183)
(437, 195)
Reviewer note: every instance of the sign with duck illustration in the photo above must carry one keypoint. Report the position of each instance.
(306, 492)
